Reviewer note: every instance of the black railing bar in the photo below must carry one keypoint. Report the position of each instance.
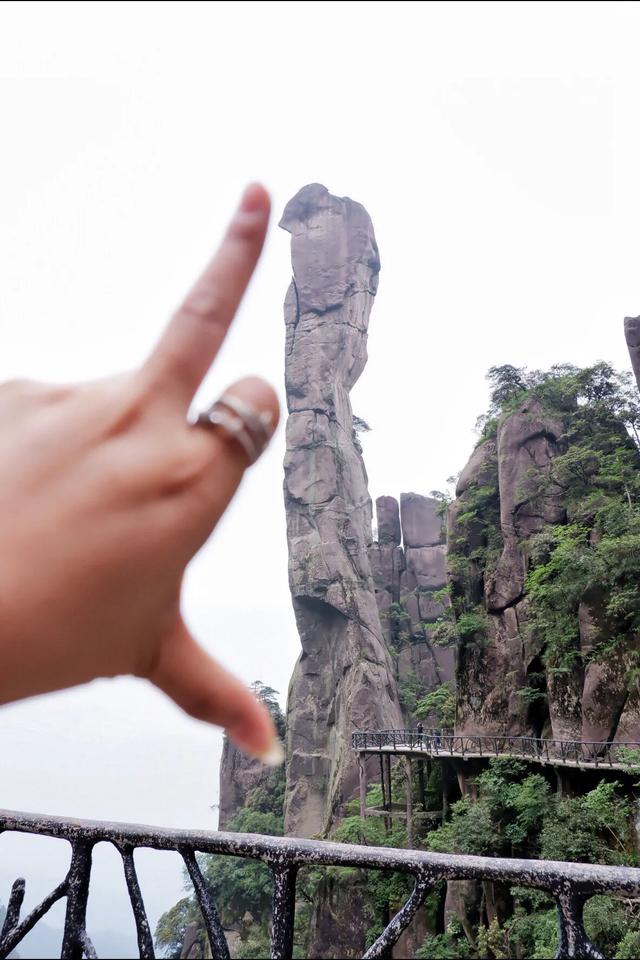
(283, 910)
(78, 880)
(14, 906)
(29, 922)
(389, 936)
(143, 931)
(88, 949)
(293, 850)
(215, 933)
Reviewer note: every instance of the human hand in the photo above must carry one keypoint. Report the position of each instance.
(106, 492)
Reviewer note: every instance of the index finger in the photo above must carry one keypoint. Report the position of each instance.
(195, 333)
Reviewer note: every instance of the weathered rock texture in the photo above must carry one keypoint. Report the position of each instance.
(239, 775)
(408, 561)
(343, 680)
(491, 575)
(632, 333)
(496, 492)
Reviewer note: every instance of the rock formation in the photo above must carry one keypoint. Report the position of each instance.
(491, 670)
(239, 775)
(632, 334)
(343, 680)
(408, 561)
(500, 505)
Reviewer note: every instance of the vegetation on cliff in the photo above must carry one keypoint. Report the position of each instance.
(518, 814)
(574, 520)
(580, 538)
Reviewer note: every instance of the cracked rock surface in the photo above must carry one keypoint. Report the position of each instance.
(343, 680)
(408, 561)
(589, 702)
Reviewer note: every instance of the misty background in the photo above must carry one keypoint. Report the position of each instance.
(495, 146)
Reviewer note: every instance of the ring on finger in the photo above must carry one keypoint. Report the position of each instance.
(240, 422)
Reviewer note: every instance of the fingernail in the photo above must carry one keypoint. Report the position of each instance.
(268, 421)
(273, 756)
(253, 199)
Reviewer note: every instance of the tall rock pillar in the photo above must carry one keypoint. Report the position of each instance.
(343, 680)
(632, 334)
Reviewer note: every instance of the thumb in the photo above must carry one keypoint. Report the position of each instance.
(208, 692)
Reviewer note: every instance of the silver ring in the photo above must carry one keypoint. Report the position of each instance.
(240, 422)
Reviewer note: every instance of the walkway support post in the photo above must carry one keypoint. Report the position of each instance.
(421, 786)
(362, 770)
(407, 764)
(389, 803)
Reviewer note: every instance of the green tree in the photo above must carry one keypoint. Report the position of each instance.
(440, 705)
(172, 926)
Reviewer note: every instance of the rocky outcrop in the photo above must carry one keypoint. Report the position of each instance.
(632, 334)
(527, 442)
(504, 497)
(343, 680)
(408, 561)
(239, 775)
(500, 504)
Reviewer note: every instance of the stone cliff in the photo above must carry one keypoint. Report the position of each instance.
(506, 496)
(239, 776)
(632, 334)
(344, 679)
(408, 561)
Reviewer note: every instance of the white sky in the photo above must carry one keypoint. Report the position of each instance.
(495, 146)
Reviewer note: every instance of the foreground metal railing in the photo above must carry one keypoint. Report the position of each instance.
(571, 884)
(619, 755)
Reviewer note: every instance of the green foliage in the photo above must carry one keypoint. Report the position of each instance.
(409, 688)
(472, 625)
(396, 613)
(606, 922)
(629, 946)
(596, 553)
(268, 696)
(242, 888)
(444, 946)
(516, 813)
(470, 830)
(444, 499)
(433, 788)
(630, 758)
(596, 475)
(594, 828)
(384, 891)
(255, 946)
(172, 926)
(532, 930)
(439, 704)
(444, 634)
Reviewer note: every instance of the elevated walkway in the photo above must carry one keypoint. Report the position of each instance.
(612, 754)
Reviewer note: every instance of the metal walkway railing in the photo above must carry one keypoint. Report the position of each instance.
(571, 884)
(619, 755)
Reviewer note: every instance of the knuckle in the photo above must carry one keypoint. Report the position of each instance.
(246, 229)
(207, 303)
(188, 463)
(128, 402)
